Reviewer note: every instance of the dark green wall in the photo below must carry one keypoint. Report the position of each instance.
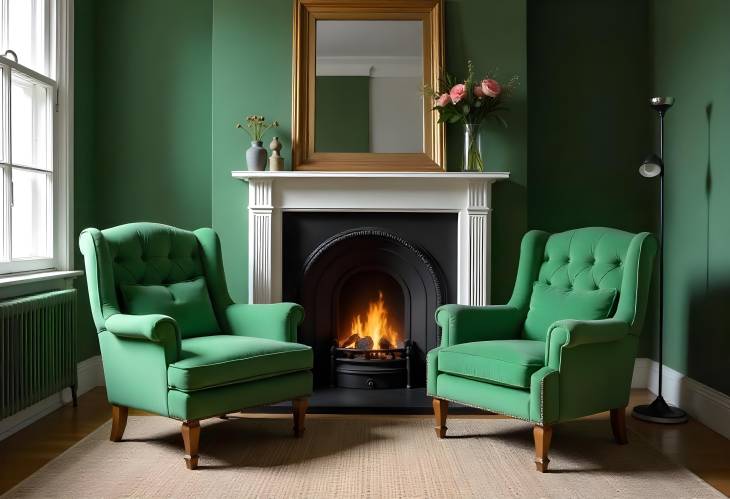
(692, 63)
(142, 119)
(342, 120)
(589, 123)
(153, 120)
(84, 166)
(590, 67)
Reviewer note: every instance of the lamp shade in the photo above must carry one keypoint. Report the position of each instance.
(651, 167)
(661, 103)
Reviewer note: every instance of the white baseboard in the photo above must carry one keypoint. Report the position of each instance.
(90, 375)
(642, 370)
(707, 405)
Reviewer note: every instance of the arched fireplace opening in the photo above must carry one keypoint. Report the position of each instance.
(370, 295)
(370, 311)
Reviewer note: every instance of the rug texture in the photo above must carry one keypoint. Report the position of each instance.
(360, 456)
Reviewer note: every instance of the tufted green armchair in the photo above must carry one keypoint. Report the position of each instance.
(172, 340)
(564, 345)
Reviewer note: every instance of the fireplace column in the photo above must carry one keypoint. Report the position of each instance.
(475, 228)
(261, 247)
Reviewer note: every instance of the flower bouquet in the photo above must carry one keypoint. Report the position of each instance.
(471, 102)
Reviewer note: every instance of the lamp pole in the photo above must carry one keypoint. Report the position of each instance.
(659, 411)
(661, 109)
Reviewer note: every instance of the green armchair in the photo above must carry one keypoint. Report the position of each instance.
(173, 342)
(564, 345)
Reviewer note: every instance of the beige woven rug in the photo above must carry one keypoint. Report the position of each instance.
(361, 456)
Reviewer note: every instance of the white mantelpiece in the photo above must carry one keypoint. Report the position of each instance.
(466, 194)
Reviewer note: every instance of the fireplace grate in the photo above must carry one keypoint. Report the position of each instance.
(371, 369)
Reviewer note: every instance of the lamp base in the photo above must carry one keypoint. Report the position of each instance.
(659, 412)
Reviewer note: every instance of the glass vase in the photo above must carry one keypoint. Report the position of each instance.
(473, 160)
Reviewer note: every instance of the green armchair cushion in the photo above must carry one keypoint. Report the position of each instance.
(187, 302)
(212, 361)
(552, 303)
(507, 362)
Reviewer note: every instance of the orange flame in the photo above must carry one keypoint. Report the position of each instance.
(376, 325)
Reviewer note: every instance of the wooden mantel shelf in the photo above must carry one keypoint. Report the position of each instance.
(489, 176)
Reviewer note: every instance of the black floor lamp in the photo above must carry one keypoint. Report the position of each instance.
(659, 411)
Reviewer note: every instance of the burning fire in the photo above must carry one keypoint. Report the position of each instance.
(376, 332)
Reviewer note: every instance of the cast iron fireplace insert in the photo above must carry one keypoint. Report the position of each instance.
(370, 284)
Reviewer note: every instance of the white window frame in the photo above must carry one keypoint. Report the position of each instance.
(60, 36)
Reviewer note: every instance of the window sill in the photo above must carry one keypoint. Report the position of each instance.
(33, 277)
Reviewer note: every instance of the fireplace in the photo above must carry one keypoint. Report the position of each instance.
(370, 284)
(333, 241)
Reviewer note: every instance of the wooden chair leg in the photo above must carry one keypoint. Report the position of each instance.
(618, 425)
(440, 411)
(191, 439)
(119, 422)
(299, 407)
(542, 436)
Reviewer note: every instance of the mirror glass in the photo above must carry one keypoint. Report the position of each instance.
(369, 86)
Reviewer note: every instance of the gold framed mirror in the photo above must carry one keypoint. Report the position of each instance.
(359, 69)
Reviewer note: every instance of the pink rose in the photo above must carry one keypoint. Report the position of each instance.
(443, 100)
(478, 92)
(491, 87)
(457, 93)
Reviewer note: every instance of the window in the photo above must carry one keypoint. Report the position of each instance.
(31, 156)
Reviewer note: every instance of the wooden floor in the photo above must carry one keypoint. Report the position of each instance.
(692, 445)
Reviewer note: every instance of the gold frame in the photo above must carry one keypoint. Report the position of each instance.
(306, 14)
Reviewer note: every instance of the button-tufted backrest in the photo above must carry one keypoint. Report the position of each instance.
(589, 259)
(149, 254)
(148, 268)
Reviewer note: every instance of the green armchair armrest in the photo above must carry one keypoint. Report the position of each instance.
(464, 324)
(156, 328)
(153, 327)
(273, 321)
(573, 333)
